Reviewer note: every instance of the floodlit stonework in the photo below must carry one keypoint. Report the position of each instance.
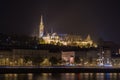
(64, 39)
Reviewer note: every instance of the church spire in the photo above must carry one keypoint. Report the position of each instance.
(41, 28)
(41, 21)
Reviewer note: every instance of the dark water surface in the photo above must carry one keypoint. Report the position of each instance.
(61, 76)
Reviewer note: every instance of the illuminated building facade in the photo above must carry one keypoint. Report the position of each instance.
(68, 57)
(69, 40)
(65, 39)
(51, 38)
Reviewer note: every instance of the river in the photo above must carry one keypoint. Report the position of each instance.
(61, 76)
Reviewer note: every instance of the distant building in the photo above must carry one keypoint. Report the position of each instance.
(68, 57)
(66, 39)
(69, 40)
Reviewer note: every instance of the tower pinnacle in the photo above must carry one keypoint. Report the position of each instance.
(88, 38)
(41, 28)
(41, 21)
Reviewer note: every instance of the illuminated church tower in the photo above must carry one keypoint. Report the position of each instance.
(41, 28)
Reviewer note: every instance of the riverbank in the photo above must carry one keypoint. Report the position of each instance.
(59, 69)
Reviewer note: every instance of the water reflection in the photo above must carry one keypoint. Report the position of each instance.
(10, 76)
(30, 76)
(67, 76)
(61, 76)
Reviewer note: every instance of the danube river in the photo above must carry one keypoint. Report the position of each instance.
(61, 76)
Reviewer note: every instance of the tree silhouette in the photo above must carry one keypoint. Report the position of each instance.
(53, 60)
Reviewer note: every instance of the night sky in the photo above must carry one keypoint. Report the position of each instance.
(99, 18)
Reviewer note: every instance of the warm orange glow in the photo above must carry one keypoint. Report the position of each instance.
(55, 39)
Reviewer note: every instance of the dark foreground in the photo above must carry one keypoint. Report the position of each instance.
(59, 70)
(61, 76)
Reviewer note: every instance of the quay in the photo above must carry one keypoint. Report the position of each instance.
(54, 69)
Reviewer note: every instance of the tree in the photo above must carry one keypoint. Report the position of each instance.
(77, 59)
(90, 60)
(27, 58)
(45, 62)
(37, 60)
(41, 41)
(53, 60)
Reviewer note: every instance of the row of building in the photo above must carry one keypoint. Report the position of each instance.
(27, 57)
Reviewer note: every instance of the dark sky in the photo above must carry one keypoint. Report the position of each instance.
(99, 18)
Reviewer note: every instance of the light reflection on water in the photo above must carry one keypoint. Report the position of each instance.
(61, 76)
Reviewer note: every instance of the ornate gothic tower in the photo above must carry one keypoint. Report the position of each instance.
(41, 28)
